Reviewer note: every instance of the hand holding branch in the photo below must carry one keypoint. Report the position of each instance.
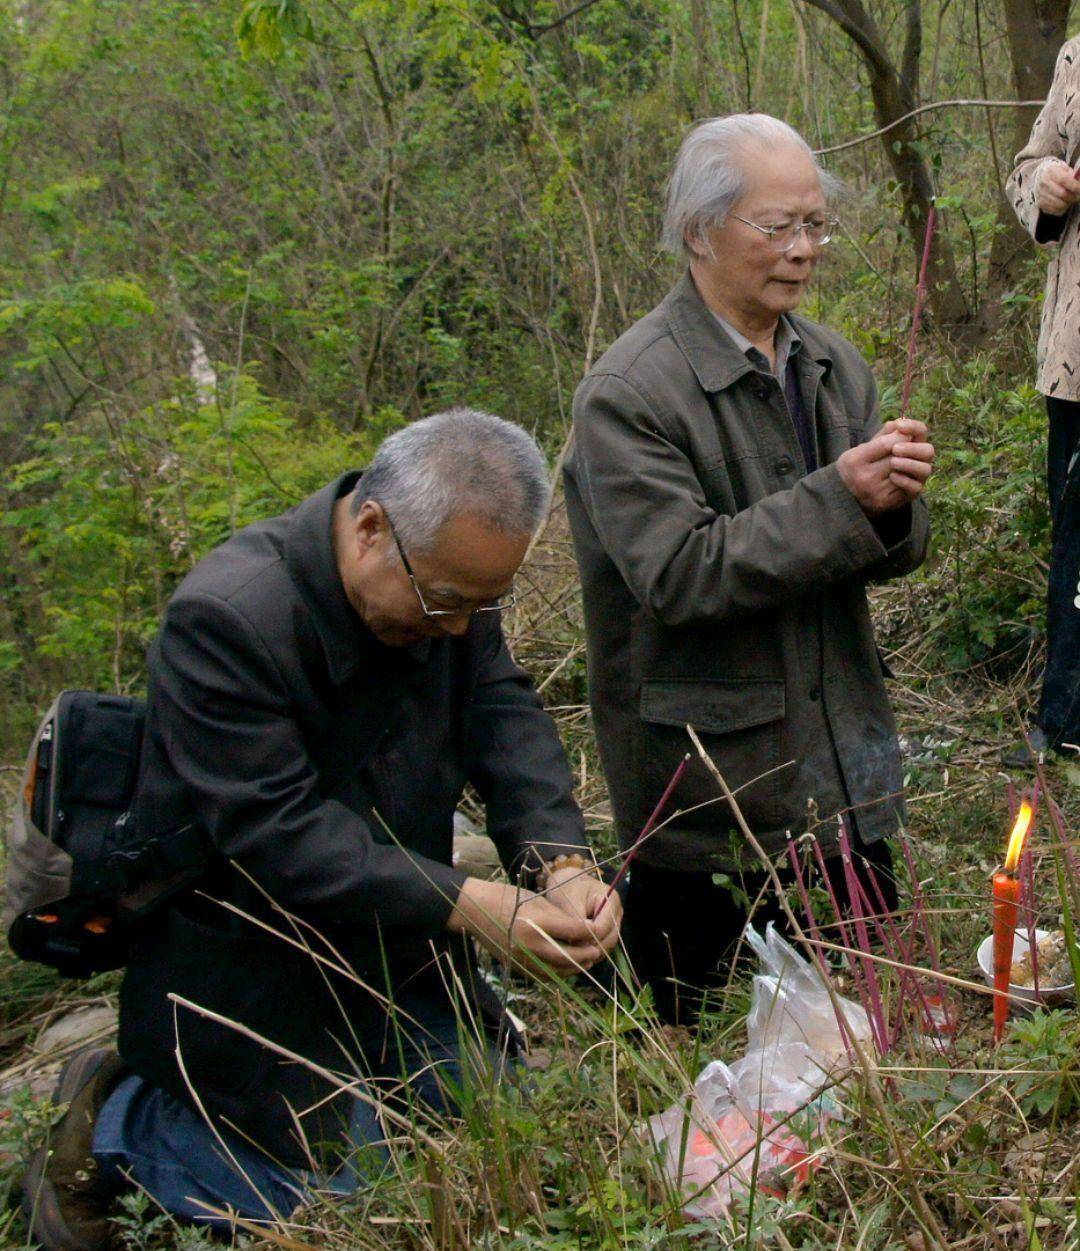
(891, 469)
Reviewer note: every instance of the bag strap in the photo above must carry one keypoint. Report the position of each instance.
(162, 856)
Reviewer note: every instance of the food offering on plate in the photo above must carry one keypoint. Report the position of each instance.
(1052, 957)
(1055, 971)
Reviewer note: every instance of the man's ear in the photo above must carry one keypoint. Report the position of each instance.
(699, 246)
(369, 524)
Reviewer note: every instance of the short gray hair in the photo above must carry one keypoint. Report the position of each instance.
(710, 176)
(459, 463)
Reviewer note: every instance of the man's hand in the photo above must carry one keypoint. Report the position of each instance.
(579, 893)
(525, 928)
(1058, 189)
(889, 470)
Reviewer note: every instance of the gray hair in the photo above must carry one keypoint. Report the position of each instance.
(459, 463)
(710, 174)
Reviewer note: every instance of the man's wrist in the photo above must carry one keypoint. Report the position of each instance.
(565, 867)
(474, 899)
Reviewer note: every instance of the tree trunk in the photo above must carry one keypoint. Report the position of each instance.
(894, 89)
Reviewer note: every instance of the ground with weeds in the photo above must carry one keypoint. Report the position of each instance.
(948, 1142)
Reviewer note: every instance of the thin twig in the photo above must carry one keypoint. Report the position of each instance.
(929, 108)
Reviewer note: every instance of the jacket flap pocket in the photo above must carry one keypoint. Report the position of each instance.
(716, 707)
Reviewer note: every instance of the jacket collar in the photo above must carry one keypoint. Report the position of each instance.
(309, 556)
(713, 355)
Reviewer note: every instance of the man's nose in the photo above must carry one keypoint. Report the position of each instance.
(455, 625)
(802, 249)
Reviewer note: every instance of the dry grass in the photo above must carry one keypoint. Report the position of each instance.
(973, 1148)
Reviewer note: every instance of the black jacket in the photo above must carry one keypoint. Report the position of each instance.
(324, 768)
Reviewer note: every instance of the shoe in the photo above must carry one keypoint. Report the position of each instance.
(64, 1198)
(1019, 755)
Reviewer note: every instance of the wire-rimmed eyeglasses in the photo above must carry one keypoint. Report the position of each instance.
(783, 238)
(506, 601)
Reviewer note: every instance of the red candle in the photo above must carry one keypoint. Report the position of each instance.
(1006, 899)
(1006, 907)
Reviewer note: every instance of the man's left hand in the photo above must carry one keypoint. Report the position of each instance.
(579, 893)
(911, 455)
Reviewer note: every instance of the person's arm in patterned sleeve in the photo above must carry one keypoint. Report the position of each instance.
(1042, 187)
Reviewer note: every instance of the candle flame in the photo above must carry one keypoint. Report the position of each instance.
(1017, 837)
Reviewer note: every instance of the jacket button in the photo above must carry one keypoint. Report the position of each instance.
(815, 693)
(784, 466)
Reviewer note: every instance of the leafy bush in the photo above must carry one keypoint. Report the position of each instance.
(109, 513)
(985, 579)
(1047, 1044)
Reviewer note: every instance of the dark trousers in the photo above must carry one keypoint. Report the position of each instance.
(168, 1149)
(681, 928)
(1059, 707)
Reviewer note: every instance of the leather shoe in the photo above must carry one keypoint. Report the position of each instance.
(64, 1197)
(1019, 755)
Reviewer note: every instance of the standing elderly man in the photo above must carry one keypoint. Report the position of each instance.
(323, 687)
(731, 491)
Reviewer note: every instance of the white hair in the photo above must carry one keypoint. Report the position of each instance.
(462, 462)
(711, 170)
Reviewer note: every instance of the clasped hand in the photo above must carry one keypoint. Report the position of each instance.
(565, 930)
(1058, 189)
(891, 469)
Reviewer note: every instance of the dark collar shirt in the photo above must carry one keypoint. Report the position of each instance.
(788, 345)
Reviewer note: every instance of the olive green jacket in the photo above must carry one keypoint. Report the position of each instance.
(724, 586)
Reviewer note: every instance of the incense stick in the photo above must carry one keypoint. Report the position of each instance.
(646, 829)
(920, 301)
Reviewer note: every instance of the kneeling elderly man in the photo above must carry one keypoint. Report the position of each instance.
(731, 493)
(323, 687)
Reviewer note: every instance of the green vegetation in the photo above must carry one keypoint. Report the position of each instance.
(240, 242)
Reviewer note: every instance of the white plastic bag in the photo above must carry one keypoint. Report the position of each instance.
(791, 1004)
(750, 1123)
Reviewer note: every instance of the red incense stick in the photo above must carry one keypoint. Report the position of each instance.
(920, 301)
(647, 829)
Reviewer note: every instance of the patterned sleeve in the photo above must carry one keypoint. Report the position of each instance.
(1046, 143)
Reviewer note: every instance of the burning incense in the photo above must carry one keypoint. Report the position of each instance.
(647, 828)
(1006, 906)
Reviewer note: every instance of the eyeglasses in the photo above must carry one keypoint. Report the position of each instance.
(784, 238)
(507, 601)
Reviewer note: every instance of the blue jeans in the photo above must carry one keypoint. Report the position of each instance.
(170, 1150)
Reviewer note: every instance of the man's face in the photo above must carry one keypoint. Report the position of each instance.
(469, 566)
(745, 272)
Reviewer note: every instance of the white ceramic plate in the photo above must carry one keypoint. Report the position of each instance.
(1046, 994)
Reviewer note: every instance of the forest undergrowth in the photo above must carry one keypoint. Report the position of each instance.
(225, 275)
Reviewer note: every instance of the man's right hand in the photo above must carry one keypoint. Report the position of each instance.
(524, 928)
(889, 470)
(1058, 189)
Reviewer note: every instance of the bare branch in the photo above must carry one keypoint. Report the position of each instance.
(537, 31)
(926, 108)
(861, 29)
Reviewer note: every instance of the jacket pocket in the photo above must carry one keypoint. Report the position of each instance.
(740, 723)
